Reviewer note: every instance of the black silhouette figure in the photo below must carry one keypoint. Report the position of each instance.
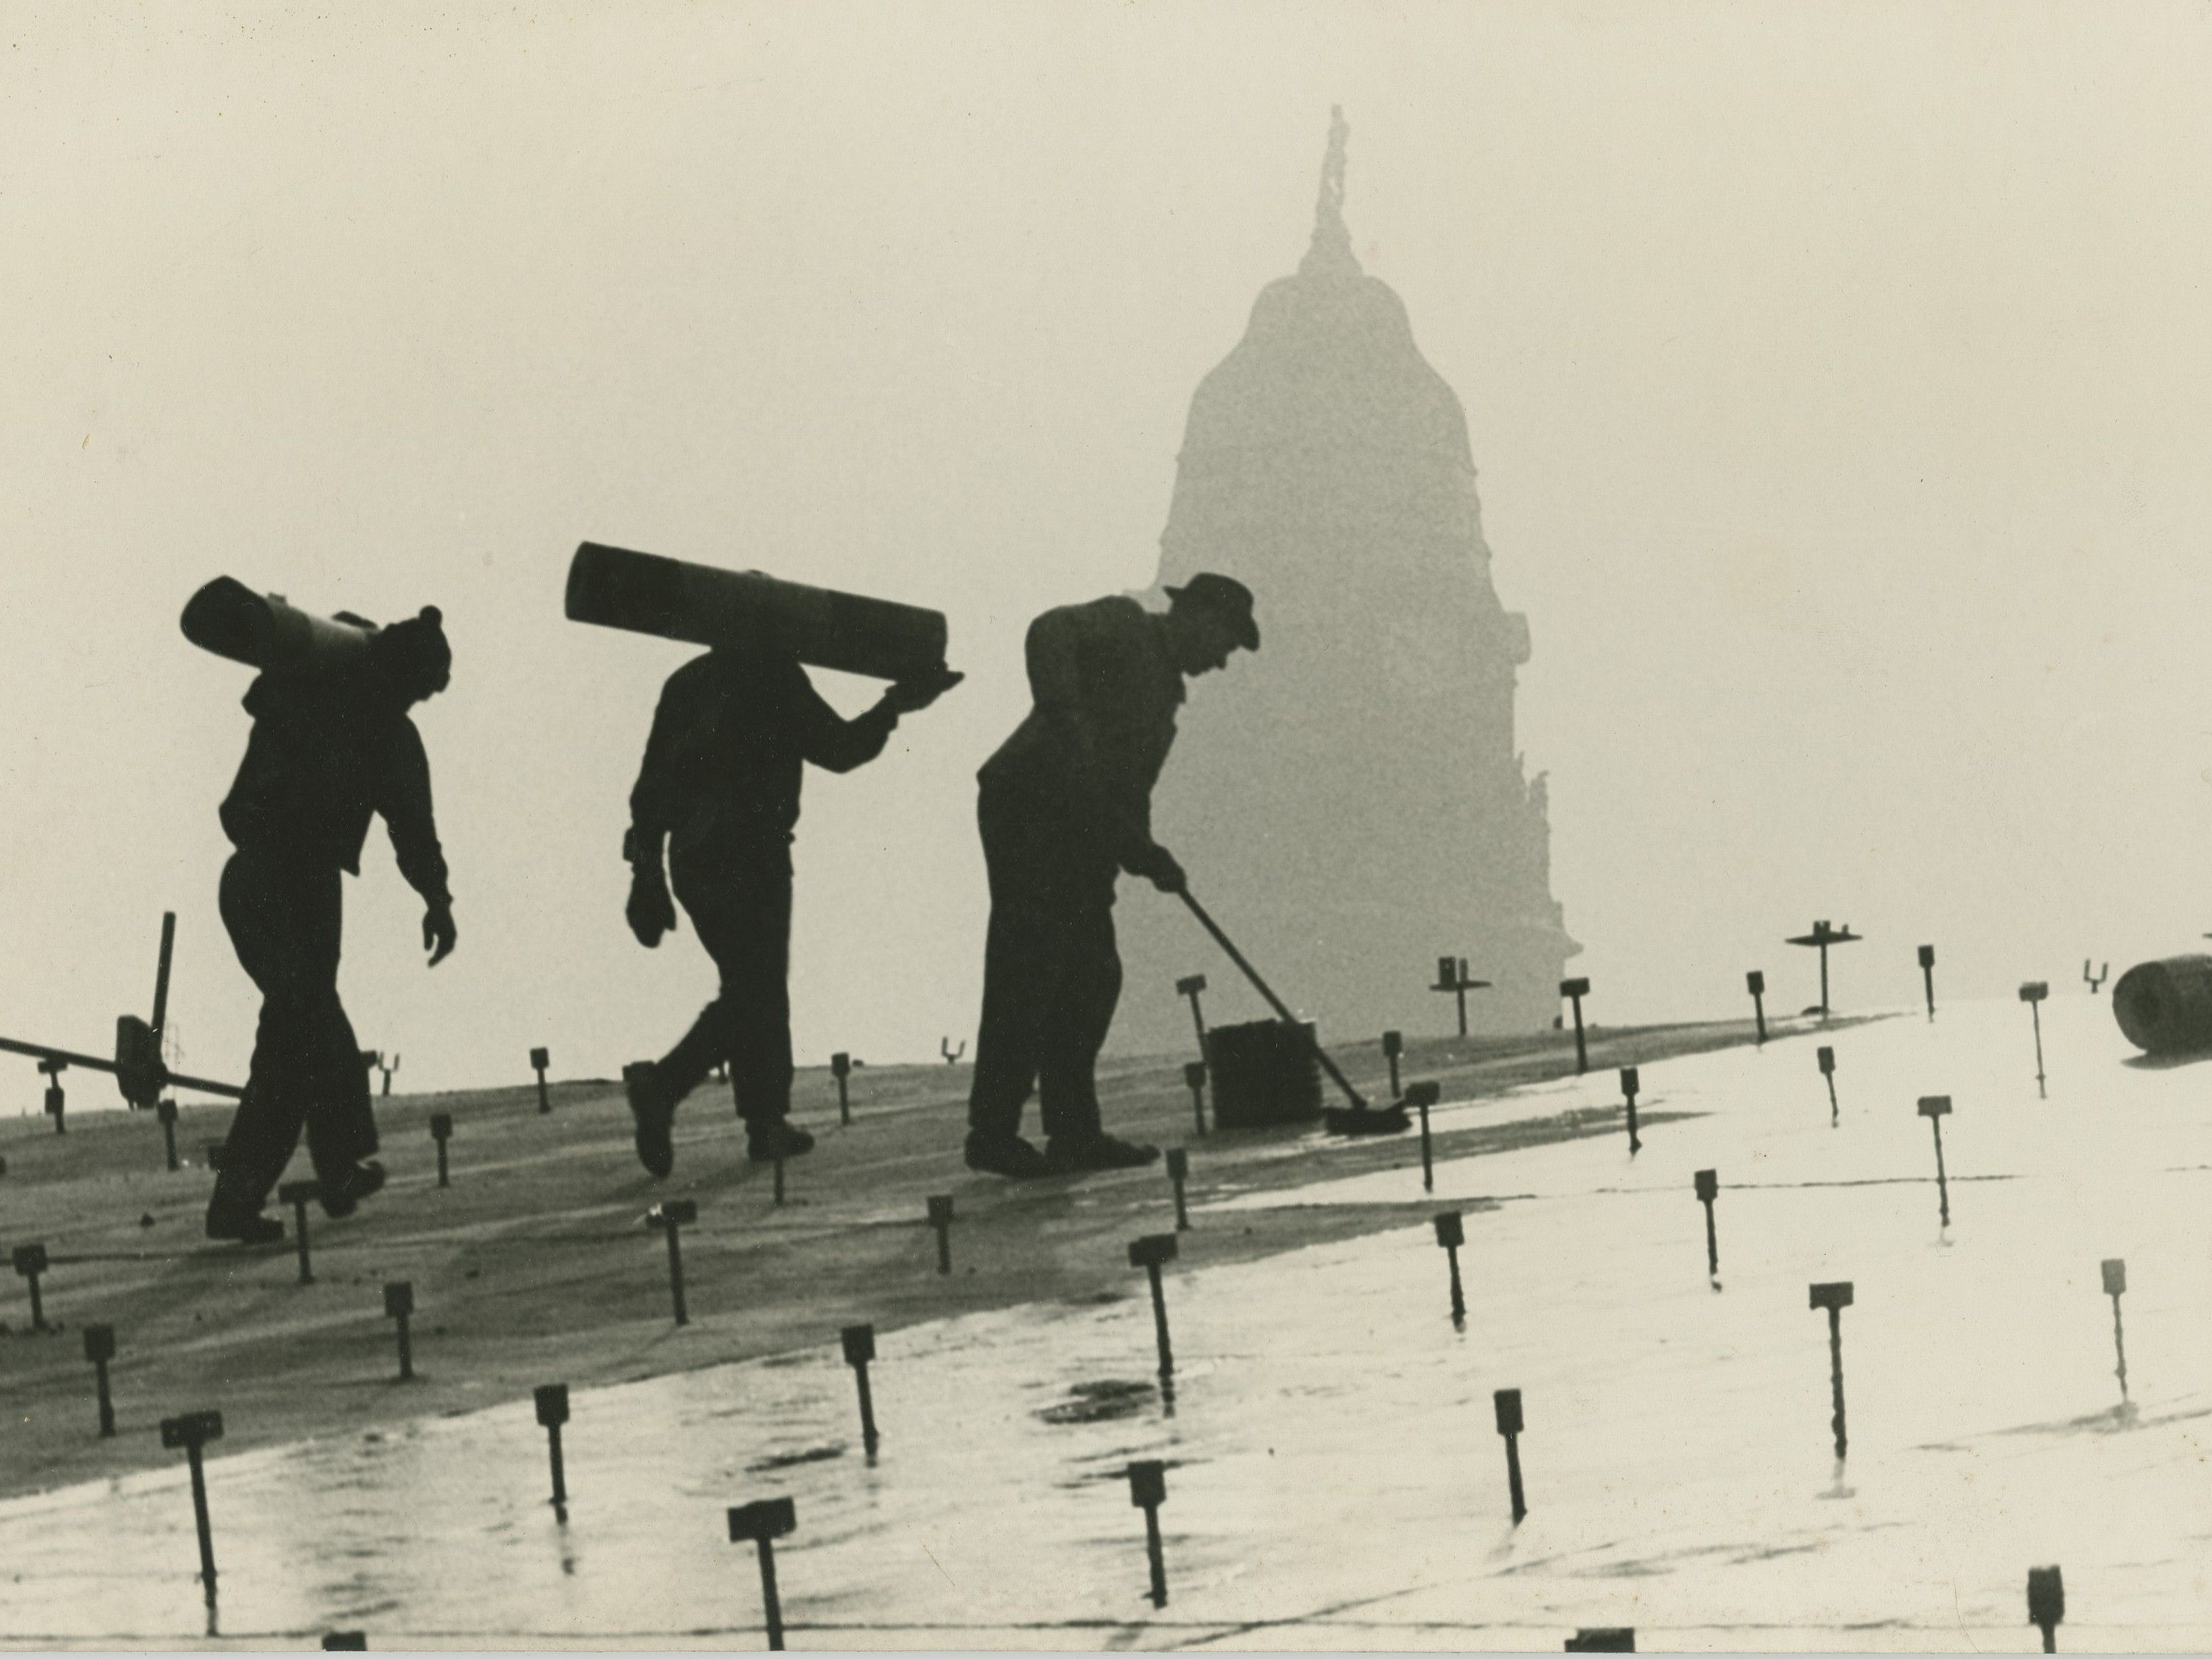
(719, 787)
(333, 746)
(1065, 805)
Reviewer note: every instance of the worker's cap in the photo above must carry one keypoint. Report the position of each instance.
(1223, 597)
(417, 648)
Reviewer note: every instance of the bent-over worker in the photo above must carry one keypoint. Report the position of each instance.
(1065, 805)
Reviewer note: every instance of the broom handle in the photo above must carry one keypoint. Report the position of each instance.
(1273, 1001)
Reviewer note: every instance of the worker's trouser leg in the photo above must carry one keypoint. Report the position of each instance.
(285, 921)
(1051, 976)
(743, 916)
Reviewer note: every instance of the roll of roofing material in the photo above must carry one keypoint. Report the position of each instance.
(263, 631)
(647, 593)
(2165, 1007)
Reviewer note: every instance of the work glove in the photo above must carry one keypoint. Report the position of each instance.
(651, 913)
(1158, 866)
(918, 691)
(438, 934)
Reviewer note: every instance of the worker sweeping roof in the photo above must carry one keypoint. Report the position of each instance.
(1064, 806)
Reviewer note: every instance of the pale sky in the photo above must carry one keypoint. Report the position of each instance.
(1837, 379)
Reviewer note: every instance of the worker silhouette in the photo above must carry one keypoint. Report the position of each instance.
(332, 746)
(720, 786)
(1064, 806)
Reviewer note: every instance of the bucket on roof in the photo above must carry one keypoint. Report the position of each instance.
(1263, 1074)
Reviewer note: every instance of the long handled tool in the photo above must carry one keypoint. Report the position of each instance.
(1361, 1119)
(138, 1068)
(139, 1075)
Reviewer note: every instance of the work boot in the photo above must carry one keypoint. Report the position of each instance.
(227, 1220)
(1099, 1151)
(1006, 1155)
(775, 1138)
(654, 1112)
(342, 1196)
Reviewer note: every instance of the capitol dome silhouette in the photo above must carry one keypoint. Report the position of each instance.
(1349, 802)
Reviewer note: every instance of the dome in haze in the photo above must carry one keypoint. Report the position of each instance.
(1349, 801)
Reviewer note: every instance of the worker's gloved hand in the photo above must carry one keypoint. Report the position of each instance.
(651, 912)
(1158, 867)
(438, 934)
(917, 692)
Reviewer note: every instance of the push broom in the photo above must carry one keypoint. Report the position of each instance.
(1357, 1119)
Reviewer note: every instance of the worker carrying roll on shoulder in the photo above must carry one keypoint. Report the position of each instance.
(1065, 805)
(720, 786)
(332, 746)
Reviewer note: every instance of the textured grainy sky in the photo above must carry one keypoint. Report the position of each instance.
(1837, 376)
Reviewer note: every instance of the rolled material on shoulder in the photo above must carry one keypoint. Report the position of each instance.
(646, 593)
(2165, 1007)
(262, 631)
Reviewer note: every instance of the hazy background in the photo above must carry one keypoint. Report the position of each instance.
(1838, 377)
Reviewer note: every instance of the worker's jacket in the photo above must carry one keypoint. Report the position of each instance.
(723, 764)
(332, 747)
(1105, 692)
